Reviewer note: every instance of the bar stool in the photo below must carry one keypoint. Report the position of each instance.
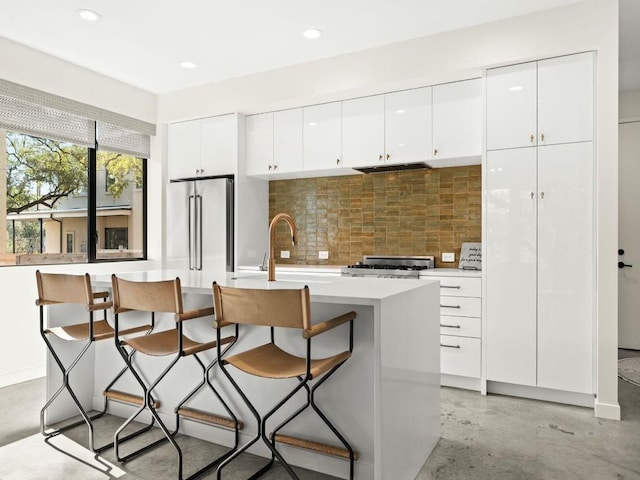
(166, 297)
(287, 308)
(58, 289)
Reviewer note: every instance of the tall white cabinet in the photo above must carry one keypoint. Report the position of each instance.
(539, 251)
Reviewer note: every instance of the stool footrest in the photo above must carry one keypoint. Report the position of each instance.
(209, 418)
(127, 398)
(311, 445)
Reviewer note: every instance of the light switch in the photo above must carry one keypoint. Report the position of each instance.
(284, 254)
(448, 257)
(323, 255)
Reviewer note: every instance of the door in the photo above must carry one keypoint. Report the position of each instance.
(184, 149)
(179, 243)
(219, 145)
(457, 119)
(407, 126)
(511, 106)
(511, 266)
(565, 99)
(287, 141)
(566, 262)
(211, 225)
(629, 235)
(259, 144)
(363, 131)
(322, 136)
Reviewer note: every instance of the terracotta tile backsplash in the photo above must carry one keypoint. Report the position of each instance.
(418, 212)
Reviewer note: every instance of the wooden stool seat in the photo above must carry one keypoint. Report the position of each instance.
(167, 343)
(101, 331)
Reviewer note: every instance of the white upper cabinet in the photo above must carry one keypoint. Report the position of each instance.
(457, 122)
(322, 136)
(202, 148)
(184, 149)
(511, 106)
(259, 144)
(548, 102)
(363, 131)
(407, 126)
(287, 141)
(565, 99)
(219, 145)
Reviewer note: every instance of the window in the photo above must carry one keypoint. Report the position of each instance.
(70, 241)
(45, 190)
(55, 200)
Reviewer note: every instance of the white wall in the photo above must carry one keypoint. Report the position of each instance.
(591, 25)
(22, 351)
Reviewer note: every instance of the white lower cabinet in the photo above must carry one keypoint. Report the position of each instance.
(460, 329)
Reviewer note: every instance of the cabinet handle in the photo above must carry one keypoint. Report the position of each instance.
(388, 156)
(532, 137)
(450, 306)
(532, 195)
(435, 152)
(380, 158)
(450, 286)
(275, 167)
(449, 346)
(542, 195)
(269, 167)
(542, 137)
(622, 265)
(337, 161)
(449, 326)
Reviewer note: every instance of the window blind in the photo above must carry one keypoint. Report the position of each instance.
(35, 112)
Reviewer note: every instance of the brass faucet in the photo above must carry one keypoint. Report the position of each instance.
(272, 256)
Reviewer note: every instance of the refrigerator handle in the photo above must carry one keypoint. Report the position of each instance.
(191, 199)
(199, 232)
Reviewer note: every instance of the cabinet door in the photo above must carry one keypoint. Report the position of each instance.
(511, 106)
(322, 136)
(457, 120)
(566, 261)
(565, 99)
(363, 131)
(184, 149)
(510, 257)
(287, 141)
(407, 125)
(219, 148)
(259, 144)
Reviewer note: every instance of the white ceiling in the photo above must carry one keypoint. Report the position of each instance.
(142, 42)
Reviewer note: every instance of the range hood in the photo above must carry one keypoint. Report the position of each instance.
(394, 167)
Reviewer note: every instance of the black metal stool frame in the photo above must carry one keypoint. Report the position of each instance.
(261, 421)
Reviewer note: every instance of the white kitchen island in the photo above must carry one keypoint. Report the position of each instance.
(385, 399)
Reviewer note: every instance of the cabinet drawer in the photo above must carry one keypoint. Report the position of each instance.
(460, 306)
(460, 356)
(458, 286)
(460, 326)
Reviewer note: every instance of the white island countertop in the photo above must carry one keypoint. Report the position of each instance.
(326, 289)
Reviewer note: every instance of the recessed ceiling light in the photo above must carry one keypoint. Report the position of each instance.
(89, 15)
(188, 65)
(311, 33)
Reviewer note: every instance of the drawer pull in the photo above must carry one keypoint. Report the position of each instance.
(450, 306)
(449, 346)
(450, 286)
(444, 325)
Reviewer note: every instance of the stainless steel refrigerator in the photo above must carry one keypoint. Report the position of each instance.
(199, 224)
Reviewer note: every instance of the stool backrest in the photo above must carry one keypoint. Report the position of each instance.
(289, 308)
(63, 288)
(162, 296)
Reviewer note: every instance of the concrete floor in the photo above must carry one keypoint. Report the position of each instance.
(492, 437)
